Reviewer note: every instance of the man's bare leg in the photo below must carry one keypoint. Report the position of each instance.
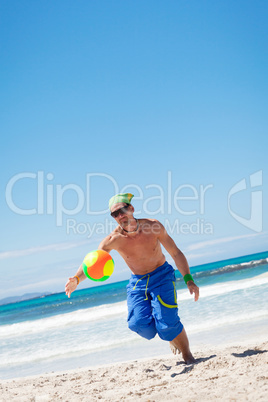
(181, 344)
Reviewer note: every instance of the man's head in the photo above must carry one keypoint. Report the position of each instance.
(124, 198)
(120, 205)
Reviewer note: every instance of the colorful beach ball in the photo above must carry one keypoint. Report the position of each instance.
(98, 265)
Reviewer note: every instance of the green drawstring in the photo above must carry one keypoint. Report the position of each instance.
(175, 293)
(158, 297)
(146, 298)
(147, 287)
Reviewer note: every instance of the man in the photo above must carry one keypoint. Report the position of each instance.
(151, 292)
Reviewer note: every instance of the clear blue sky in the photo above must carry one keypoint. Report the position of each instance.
(164, 99)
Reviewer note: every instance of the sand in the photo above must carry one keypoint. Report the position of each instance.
(229, 373)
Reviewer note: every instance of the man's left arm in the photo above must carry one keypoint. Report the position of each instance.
(179, 259)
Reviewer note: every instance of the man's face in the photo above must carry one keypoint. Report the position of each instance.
(121, 212)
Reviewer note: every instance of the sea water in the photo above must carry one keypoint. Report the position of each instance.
(55, 333)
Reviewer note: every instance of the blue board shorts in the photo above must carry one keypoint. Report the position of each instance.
(152, 304)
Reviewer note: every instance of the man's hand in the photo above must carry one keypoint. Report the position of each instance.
(70, 286)
(193, 289)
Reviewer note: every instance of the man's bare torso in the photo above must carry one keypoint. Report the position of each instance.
(141, 250)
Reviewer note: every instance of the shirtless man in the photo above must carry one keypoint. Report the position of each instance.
(151, 292)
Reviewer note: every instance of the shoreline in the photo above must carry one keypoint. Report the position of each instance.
(235, 371)
(140, 349)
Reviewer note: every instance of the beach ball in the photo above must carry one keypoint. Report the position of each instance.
(98, 265)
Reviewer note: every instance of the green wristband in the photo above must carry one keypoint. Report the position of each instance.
(187, 278)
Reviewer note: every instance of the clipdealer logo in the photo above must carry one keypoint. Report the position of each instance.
(254, 201)
(185, 200)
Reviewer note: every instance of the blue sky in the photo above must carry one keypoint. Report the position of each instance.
(167, 100)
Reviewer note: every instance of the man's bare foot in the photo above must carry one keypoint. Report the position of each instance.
(187, 357)
(181, 344)
(174, 349)
(190, 360)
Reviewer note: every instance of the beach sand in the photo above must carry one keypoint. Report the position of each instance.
(229, 373)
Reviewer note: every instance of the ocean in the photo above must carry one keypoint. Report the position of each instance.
(54, 333)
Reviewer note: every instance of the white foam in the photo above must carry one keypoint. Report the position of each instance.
(208, 325)
(60, 351)
(104, 312)
(68, 347)
(228, 287)
(235, 267)
(110, 311)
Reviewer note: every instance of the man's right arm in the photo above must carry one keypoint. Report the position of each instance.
(108, 244)
(73, 282)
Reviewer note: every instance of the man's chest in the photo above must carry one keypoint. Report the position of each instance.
(141, 243)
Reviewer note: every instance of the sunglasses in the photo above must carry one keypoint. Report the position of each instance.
(122, 211)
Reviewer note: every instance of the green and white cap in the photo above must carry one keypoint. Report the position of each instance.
(122, 197)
